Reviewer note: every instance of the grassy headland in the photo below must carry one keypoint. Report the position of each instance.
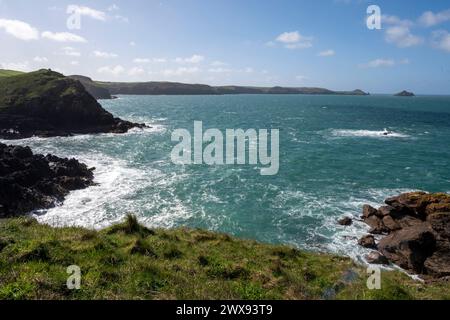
(9, 73)
(129, 261)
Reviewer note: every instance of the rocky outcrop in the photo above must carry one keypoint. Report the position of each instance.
(29, 182)
(417, 232)
(45, 103)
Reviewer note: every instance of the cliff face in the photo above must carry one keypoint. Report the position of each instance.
(45, 103)
(92, 87)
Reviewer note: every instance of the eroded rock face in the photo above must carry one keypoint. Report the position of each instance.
(29, 182)
(417, 229)
(45, 103)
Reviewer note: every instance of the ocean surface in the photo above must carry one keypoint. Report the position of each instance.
(333, 159)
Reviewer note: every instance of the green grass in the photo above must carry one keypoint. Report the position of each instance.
(129, 261)
(9, 73)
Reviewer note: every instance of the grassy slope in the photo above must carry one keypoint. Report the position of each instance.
(9, 73)
(128, 261)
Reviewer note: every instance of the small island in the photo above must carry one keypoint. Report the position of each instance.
(405, 93)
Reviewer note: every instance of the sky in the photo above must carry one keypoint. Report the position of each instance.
(322, 43)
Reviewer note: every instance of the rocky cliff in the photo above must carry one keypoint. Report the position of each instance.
(46, 103)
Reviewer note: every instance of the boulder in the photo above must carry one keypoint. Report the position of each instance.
(368, 241)
(376, 258)
(409, 247)
(440, 223)
(346, 221)
(438, 265)
(368, 211)
(390, 224)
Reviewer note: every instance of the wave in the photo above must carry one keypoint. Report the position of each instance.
(367, 133)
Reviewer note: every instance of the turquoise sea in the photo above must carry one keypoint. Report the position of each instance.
(333, 159)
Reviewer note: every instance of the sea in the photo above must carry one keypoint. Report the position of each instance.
(334, 157)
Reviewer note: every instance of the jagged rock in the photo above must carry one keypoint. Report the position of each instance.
(409, 247)
(376, 258)
(368, 211)
(373, 221)
(368, 241)
(390, 224)
(440, 223)
(346, 221)
(438, 265)
(29, 182)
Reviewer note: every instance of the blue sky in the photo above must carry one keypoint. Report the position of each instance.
(323, 43)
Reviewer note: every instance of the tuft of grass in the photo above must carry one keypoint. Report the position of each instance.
(130, 261)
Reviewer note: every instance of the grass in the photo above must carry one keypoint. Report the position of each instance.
(130, 261)
(9, 73)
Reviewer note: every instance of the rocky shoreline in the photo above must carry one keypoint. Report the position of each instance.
(415, 231)
(31, 182)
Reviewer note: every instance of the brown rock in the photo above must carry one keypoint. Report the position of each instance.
(437, 208)
(390, 224)
(368, 211)
(440, 223)
(346, 221)
(438, 265)
(386, 211)
(368, 241)
(376, 258)
(373, 221)
(408, 221)
(409, 247)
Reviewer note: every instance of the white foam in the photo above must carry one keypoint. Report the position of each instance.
(367, 133)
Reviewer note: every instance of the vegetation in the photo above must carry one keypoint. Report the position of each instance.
(9, 73)
(129, 261)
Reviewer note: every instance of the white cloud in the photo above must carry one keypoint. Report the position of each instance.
(218, 63)
(114, 71)
(71, 52)
(405, 61)
(86, 11)
(18, 66)
(441, 40)
(402, 37)
(429, 19)
(396, 21)
(180, 71)
(102, 54)
(74, 63)
(62, 36)
(113, 7)
(40, 59)
(399, 33)
(19, 29)
(220, 70)
(294, 40)
(377, 63)
(159, 60)
(301, 78)
(121, 18)
(141, 60)
(326, 53)
(136, 71)
(132, 43)
(196, 58)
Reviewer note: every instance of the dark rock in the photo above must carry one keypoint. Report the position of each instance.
(376, 258)
(368, 241)
(346, 221)
(438, 265)
(387, 211)
(409, 247)
(45, 103)
(440, 223)
(373, 221)
(29, 182)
